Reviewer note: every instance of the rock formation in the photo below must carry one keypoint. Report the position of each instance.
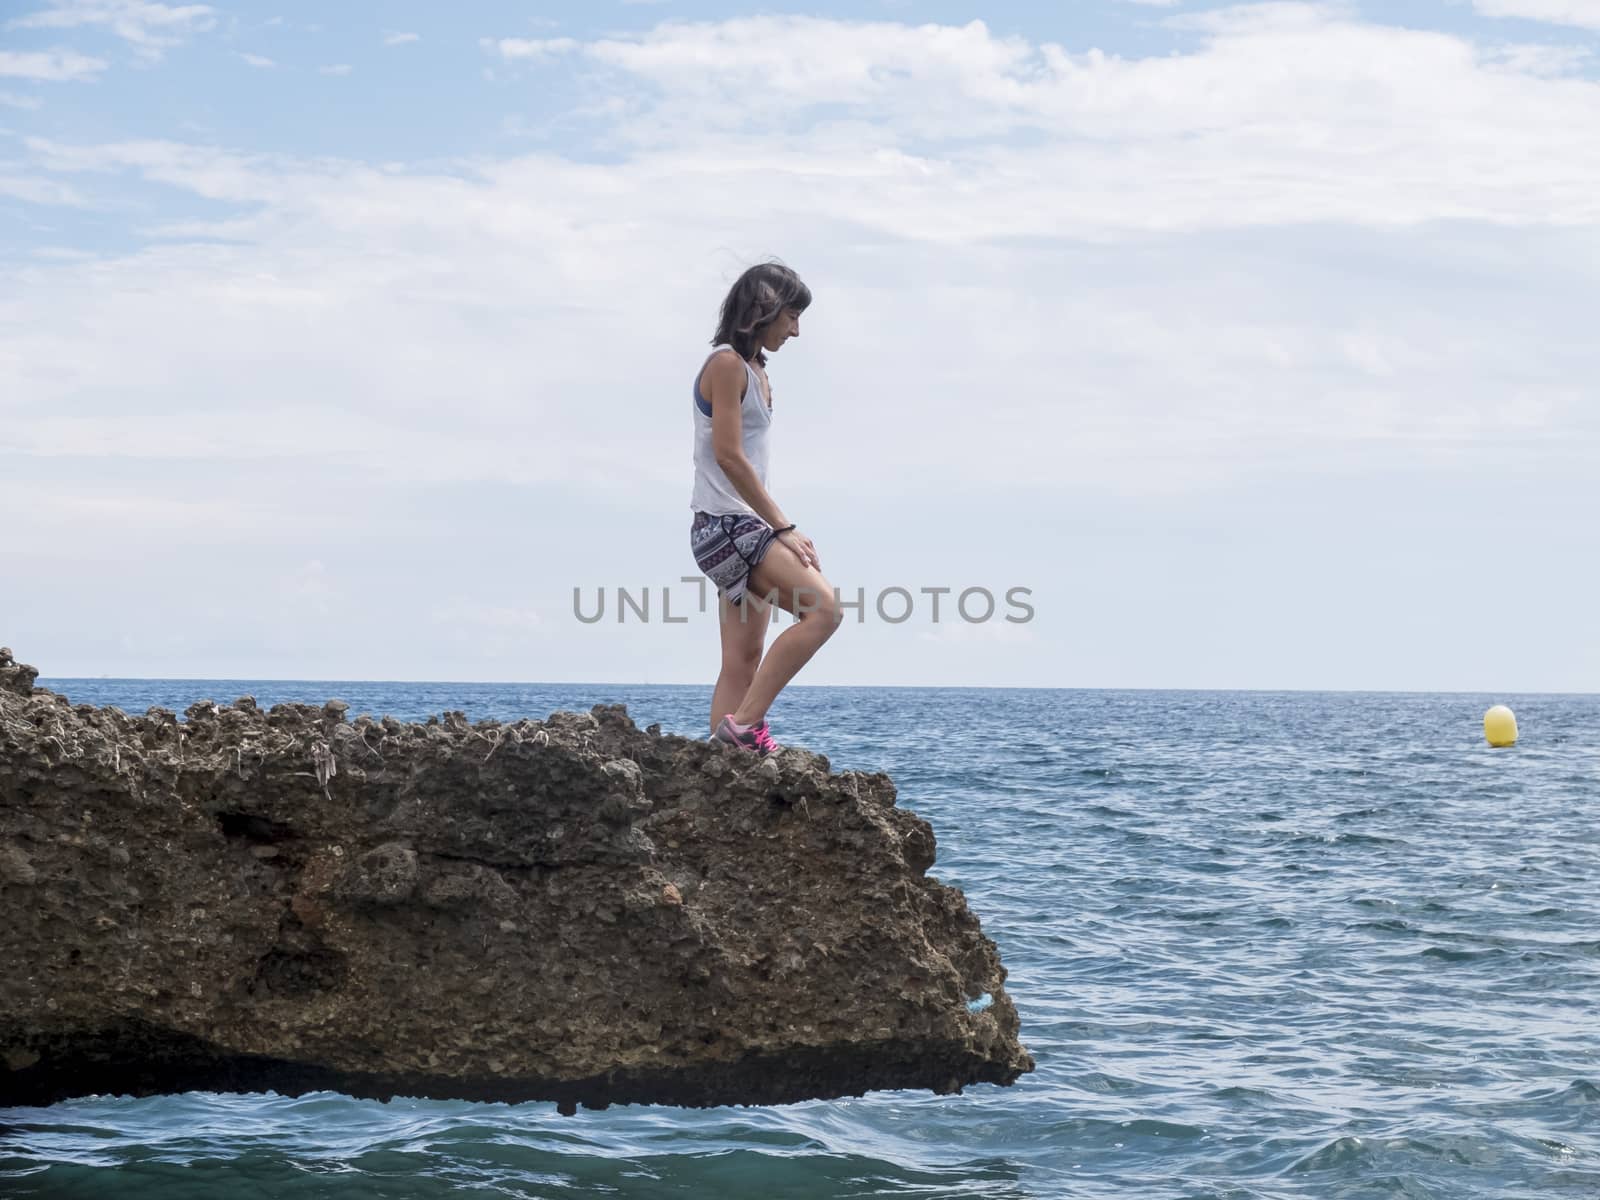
(569, 910)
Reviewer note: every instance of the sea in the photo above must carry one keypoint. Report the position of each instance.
(1264, 945)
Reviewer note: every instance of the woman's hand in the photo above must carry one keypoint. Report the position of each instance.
(801, 545)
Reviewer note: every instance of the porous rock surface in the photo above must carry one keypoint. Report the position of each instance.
(569, 909)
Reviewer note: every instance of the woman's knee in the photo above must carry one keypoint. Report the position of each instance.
(822, 609)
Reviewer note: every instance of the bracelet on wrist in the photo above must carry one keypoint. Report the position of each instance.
(785, 529)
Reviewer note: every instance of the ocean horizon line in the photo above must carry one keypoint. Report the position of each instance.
(47, 681)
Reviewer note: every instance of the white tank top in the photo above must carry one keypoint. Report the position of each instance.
(713, 493)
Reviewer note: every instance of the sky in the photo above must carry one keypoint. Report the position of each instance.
(1254, 343)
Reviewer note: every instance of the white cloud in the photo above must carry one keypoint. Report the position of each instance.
(400, 39)
(436, 324)
(1539, 59)
(335, 69)
(502, 619)
(309, 588)
(952, 630)
(149, 27)
(55, 65)
(1260, 125)
(488, 633)
(1265, 17)
(1583, 13)
(107, 516)
(529, 48)
(257, 60)
(27, 103)
(41, 191)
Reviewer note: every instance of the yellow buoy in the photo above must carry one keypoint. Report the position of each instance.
(1500, 726)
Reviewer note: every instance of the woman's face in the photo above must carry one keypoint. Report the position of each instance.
(785, 326)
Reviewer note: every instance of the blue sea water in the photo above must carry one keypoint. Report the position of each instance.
(1264, 945)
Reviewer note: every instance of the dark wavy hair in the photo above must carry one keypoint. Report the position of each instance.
(755, 301)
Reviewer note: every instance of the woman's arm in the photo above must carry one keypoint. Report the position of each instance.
(725, 379)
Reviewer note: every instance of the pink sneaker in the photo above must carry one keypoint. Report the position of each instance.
(756, 737)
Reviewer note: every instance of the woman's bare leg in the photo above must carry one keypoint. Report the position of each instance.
(744, 632)
(801, 590)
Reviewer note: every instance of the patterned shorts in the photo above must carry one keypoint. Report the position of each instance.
(728, 547)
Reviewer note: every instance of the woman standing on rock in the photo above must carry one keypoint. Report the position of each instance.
(741, 538)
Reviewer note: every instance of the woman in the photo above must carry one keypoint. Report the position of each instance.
(741, 538)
